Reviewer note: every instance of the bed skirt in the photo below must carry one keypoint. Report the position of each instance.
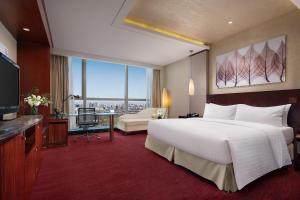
(221, 174)
(161, 148)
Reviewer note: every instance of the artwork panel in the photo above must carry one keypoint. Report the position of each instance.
(243, 65)
(276, 59)
(258, 81)
(220, 71)
(221, 59)
(261, 63)
(275, 42)
(274, 78)
(221, 85)
(258, 63)
(243, 83)
(284, 76)
(243, 51)
(259, 47)
(230, 69)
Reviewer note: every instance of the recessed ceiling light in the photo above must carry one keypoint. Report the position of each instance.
(26, 29)
(230, 22)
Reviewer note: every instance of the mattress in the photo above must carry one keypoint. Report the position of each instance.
(288, 134)
(254, 148)
(183, 134)
(221, 175)
(188, 138)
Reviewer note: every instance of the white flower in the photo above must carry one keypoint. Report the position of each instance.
(36, 100)
(30, 102)
(37, 103)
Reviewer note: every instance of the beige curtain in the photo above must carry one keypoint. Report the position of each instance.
(59, 82)
(156, 90)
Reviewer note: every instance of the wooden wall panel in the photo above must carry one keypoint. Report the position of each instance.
(17, 14)
(34, 62)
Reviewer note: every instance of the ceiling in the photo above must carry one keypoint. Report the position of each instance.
(19, 14)
(96, 28)
(207, 20)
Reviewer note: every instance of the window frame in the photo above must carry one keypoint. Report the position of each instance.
(84, 88)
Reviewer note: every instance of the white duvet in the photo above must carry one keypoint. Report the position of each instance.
(254, 149)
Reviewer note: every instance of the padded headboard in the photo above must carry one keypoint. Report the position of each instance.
(265, 98)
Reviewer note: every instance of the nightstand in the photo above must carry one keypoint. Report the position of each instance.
(297, 151)
(190, 115)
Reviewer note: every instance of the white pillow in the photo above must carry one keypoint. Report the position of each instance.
(285, 114)
(215, 111)
(266, 115)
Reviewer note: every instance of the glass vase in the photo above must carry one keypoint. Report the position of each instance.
(34, 110)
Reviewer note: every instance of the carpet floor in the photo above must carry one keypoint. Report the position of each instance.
(124, 169)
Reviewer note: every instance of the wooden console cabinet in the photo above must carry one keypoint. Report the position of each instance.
(58, 132)
(20, 156)
(12, 164)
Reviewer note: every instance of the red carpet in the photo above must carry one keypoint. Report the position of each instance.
(124, 169)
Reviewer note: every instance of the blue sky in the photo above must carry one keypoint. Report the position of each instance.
(107, 80)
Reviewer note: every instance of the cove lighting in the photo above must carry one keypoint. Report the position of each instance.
(162, 31)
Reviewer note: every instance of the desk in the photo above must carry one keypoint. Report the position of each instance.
(111, 121)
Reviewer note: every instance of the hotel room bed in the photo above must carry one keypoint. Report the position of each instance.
(215, 149)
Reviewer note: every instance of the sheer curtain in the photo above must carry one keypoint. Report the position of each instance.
(72, 120)
(156, 90)
(59, 73)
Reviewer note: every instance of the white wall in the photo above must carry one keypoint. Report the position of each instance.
(9, 41)
(176, 78)
(176, 81)
(288, 25)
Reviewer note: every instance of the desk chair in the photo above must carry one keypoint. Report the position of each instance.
(87, 118)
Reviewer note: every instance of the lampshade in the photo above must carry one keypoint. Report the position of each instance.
(165, 98)
(191, 87)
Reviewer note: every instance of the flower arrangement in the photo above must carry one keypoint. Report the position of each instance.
(34, 101)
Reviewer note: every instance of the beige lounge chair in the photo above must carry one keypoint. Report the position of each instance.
(139, 121)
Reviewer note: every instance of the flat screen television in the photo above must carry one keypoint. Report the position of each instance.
(9, 86)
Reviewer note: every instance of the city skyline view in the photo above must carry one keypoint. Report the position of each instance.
(106, 106)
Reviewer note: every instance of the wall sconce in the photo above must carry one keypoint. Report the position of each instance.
(191, 87)
(191, 82)
(165, 98)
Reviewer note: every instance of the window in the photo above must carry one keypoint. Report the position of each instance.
(137, 89)
(137, 80)
(108, 86)
(105, 80)
(76, 76)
